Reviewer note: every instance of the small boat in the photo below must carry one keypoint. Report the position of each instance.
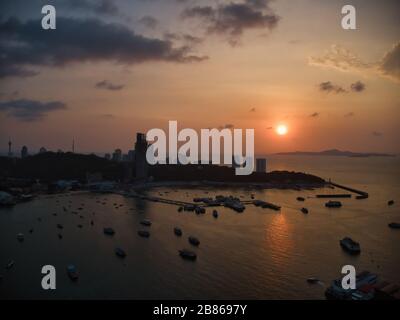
(10, 264)
(20, 237)
(350, 245)
(300, 199)
(215, 213)
(178, 232)
(108, 231)
(394, 225)
(312, 280)
(187, 254)
(390, 202)
(91, 222)
(60, 236)
(304, 210)
(333, 204)
(80, 226)
(72, 272)
(59, 226)
(143, 233)
(194, 241)
(146, 222)
(180, 209)
(120, 253)
(362, 196)
(31, 231)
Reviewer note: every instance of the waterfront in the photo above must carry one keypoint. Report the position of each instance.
(258, 254)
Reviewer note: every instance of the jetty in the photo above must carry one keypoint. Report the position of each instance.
(361, 194)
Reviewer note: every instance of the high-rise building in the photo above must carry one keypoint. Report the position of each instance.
(10, 154)
(24, 152)
(140, 156)
(107, 156)
(261, 165)
(117, 155)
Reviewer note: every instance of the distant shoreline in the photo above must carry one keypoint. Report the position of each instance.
(336, 153)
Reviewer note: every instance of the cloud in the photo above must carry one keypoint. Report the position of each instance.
(357, 86)
(149, 22)
(349, 114)
(105, 84)
(253, 110)
(342, 59)
(330, 87)
(24, 45)
(314, 115)
(226, 126)
(233, 18)
(107, 116)
(30, 110)
(107, 7)
(377, 134)
(269, 128)
(390, 63)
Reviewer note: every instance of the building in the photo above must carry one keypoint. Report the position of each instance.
(131, 155)
(140, 156)
(117, 155)
(10, 154)
(107, 156)
(261, 165)
(42, 150)
(24, 152)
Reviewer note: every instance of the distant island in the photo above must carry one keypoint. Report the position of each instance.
(336, 153)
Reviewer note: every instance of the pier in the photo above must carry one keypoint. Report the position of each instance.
(361, 194)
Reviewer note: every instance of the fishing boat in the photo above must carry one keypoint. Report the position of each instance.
(178, 231)
(20, 237)
(109, 231)
(300, 199)
(350, 245)
(187, 254)
(333, 204)
(304, 210)
(215, 213)
(194, 241)
(390, 202)
(143, 233)
(145, 222)
(394, 225)
(120, 253)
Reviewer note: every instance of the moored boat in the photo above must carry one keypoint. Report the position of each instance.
(333, 204)
(72, 272)
(187, 254)
(350, 245)
(194, 241)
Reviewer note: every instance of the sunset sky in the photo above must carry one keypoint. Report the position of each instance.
(112, 68)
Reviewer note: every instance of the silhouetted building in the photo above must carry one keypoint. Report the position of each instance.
(261, 165)
(131, 155)
(24, 152)
(10, 154)
(117, 155)
(140, 156)
(42, 150)
(107, 156)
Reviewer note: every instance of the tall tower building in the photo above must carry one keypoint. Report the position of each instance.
(140, 156)
(9, 148)
(261, 165)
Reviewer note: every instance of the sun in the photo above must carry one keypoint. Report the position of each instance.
(281, 130)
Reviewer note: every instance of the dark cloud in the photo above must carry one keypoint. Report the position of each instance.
(149, 22)
(107, 7)
(233, 18)
(349, 114)
(377, 134)
(390, 64)
(25, 44)
(314, 115)
(105, 84)
(184, 38)
(253, 110)
(30, 110)
(330, 87)
(269, 128)
(357, 86)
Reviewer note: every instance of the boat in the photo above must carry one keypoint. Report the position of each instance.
(20, 237)
(26, 197)
(108, 231)
(143, 233)
(312, 280)
(304, 210)
(390, 202)
(215, 213)
(120, 253)
(178, 231)
(187, 254)
(300, 199)
(333, 204)
(362, 196)
(59, 226)
(199, 210)
(146, 222)
(60, 236)
(394, 225)
(194, 241)
(180, 209)
(10, 264)
(350, 245)
(363, 280)
(72, 272)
